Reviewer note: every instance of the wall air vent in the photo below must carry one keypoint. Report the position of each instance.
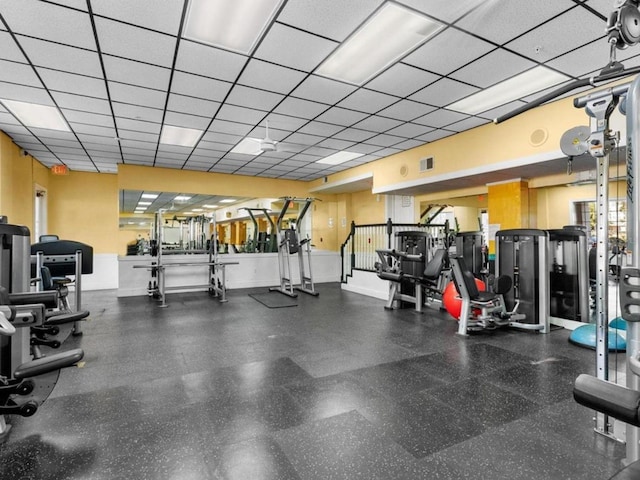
(426, 164)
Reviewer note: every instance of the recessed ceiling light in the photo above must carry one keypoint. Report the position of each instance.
(248, 146)
(181, 198)
(185, 137)
(227, 200)
(235, 25)
(198, 209)
(365, 54)
(527, 83)
(37, 116)
(144, 203)
(149, 195)
(210, 206)
(339, 157)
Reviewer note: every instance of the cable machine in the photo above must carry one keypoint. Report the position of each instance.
(263, 242)
(289, 242)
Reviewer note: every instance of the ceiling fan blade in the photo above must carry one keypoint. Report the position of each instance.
(290, 147)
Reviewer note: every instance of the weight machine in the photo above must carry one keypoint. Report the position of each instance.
(264, 242)
(598, 141)
(289, 243)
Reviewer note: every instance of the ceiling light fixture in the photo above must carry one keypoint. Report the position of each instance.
(181, 198)
(235, 25)
(149, 195)
(227, 200)
(144, 203)
(339, 157)
(364, 55)
(248, 146)
(185, 137)
(527, 83)
(37, 116)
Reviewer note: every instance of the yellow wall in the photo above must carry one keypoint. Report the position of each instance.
(16, 183)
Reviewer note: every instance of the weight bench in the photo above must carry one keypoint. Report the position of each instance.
(390, 268)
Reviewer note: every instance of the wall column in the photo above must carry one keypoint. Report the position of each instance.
(509, 207)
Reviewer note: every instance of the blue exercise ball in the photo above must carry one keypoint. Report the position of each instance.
(585, 336)
(618, 323)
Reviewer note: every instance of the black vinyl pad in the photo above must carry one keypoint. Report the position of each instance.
(614, 400)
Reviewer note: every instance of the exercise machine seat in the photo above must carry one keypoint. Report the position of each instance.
(611, 399)
(66, 317)
(433, 269)
(48, 364)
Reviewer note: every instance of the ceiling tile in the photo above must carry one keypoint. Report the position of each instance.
(94, 130)
(402, 80)
(565, 32)
(199, 86)
(186, 120)
(443, 92)
(117, 39)
(574, 65)
(436, 135)
(384, 140)
(18, 73)
(285, 122)
(253, 98)
(493, 68)
(72, 83)
(342, 116)
(461, 49)
(377, 124)
(195, 106)
(268, 76)
(88, 118)
(218, 141)
(440, 118)
(138, 125)
(294, 48)
(406, 110)
(321, 128)
(605, 7)
(495, 21)
(8, 48)
(209, 61)
(323, 90)
(408, 144)
(354, 134)
(300, 108)
(368, 101)
(467, 124)
(49, 22)
(334, 19)
(11, 91)
(61, 57)
(136, 73)
(336, 144)
(137, 95)
(443, 9)
(137, 112)
(303, 139)
(77, 4)
(232, 128)
(240, 114)
(125, 134)
(161, 15)
(409, 130)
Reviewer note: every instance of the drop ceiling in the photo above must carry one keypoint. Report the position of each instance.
(118, 70)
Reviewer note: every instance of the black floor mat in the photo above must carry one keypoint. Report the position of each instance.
(274, 300)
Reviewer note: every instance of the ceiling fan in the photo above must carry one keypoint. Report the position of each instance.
(257, 146)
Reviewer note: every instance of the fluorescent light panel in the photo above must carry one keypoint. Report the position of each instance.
(149, 195)
(248, 146)
(227, 200)
(144, 203)
(234, 25)
(210, 206)
(185, 137)
(37, 116)
(521, 85)
(339, 157)
(181, 198)
(383, 40)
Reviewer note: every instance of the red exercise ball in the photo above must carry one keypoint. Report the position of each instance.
(452, 301)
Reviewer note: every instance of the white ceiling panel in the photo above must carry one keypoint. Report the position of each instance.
(138, 125)
(186, 121)
(136, 73)
(368, 101)
(137, 112)
(74, 116)
(192, 105)
(116, 39)
(336, 144)
(436, 135)
(440, 118)
(494, 21)
(285, 122)
(270, 77)
(82, 103)
(409, 130)
(467, 124)
(443, 92)
(321, 129)
(137, 95)
(252, 97)
(335, 19)
(461, 49)
(377, 124)
(354, 134)
(323, 90)
(19, 73)
(94, 130)
(199, 86)
(408, 144)
(384, 140)
(402, 80)
(161, 15)
(300, 108)
(443, 9)
(49, 22)
(72, 83)
(209, 61)
(342, 116)
(77, 4)
(8, 48)
(494, 67)
(294, 48)
(61, 57)
(232, 128)
(218, 141)
(565, 32)
(24, 93)
(581, 61)
(125, 134)
(406, 110)
(240, 114)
